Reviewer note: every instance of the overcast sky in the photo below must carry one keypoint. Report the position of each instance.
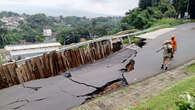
(88, 8)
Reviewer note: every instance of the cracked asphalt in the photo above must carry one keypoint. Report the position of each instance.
(60, 93)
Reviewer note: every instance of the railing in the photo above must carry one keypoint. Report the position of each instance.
(54, 63)
(110, 38)
(98, 40)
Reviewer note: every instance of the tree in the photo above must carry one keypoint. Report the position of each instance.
(155, 12)
(72, 35)
(144, 18)
(137, 18)
(180, 7)
(39, 21)
(3, 38)
(28, 33)
(166, 8)
(8, 14)
(143, 4)
(13, 36)
(1, 23)
(76, 27)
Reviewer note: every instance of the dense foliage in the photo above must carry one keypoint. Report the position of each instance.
(70, 29)
(150, 11)
(3, 39)
(72, 35)
(143, 4)
(75, 28)
(8, 14)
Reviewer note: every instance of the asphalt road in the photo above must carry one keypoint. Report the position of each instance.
(61, 93)
(148, 62)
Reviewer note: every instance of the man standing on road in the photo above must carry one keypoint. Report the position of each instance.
(174, 44)
(167, 53)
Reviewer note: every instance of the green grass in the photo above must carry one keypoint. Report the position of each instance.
(166, 26)
(190, 68)
(192, 20)
(166, 100)
(132, 40)
(84, 46)
(126, 41)
(170, 21)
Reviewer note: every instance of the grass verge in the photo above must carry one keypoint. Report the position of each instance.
(192, 20)
(170, 21)
(167, 100)
(190, 68)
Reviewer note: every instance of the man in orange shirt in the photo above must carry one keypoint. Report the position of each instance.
(174, 44)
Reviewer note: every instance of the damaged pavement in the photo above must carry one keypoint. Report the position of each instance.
(91, 80)
(71, 88)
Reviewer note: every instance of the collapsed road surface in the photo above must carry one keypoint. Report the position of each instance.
(61, 93)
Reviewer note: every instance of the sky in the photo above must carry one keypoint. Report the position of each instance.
(88, 8)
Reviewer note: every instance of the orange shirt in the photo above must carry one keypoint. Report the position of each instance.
(174, 44)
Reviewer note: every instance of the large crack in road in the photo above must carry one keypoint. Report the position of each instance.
(38, 92)
(98, 75)
(109, 86)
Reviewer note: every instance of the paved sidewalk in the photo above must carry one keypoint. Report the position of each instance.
(133, 95)
(155, 34)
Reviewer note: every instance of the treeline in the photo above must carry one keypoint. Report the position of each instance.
(30, 30)
(72, 28)
(87, 28)
(8, 14)
(150, 11)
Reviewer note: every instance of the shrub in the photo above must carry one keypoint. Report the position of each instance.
(126, 41)
(134, 40)
(186, 102)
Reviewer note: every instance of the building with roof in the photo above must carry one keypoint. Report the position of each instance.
(47, 32)
(29, 50)
(11, 22)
